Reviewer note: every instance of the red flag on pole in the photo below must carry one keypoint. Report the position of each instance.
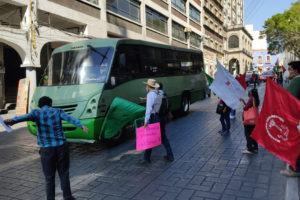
(276, 128)
(242, 80)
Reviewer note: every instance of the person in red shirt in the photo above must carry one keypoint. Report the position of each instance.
(252, 146)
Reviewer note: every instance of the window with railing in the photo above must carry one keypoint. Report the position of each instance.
(95, 2)
(178, 31)
(195, 39)
(127, 8)
(156, 21)
(194, 14)
(179, 4)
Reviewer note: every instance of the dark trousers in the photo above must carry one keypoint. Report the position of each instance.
(225, 121)
(251, 143)
(297, 166)
(56, 158)
(153, 119)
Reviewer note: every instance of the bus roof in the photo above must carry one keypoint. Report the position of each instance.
(114, 42)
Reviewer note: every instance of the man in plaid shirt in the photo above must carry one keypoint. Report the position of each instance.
(54, 150)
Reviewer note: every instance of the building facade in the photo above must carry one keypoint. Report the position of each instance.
(213, 19)
(262, 60)
(31, 30)
(238, 41)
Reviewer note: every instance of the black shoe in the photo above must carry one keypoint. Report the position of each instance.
(169, 158)
(144, 162)
(221, 131)
(225, 133)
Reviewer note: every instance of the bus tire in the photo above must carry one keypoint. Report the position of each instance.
(117, 139)
(185, 104)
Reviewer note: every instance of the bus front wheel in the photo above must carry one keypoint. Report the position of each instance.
(185, 104)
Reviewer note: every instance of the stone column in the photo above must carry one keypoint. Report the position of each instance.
(2, 82)
(143, 19)
(31, 74)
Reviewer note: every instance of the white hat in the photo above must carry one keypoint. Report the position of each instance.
(152, 83)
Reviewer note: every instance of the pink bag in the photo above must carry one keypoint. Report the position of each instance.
(250, 116)
(149, 137)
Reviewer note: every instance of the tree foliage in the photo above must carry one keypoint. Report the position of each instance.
(283, 31)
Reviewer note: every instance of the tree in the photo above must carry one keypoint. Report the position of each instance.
(283, 31)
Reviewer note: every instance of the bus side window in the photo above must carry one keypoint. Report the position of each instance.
(126, 66)
(152, 65)
(186, 64)
(172, 62)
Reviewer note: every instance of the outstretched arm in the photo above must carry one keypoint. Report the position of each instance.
(73, 120)
(22, 118)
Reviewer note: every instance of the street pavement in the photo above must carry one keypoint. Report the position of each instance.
(207, 165)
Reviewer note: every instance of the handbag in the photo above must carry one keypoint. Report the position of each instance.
(251, 116)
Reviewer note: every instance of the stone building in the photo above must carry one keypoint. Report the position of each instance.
(238, 41)
(31, 29)
(214, 34)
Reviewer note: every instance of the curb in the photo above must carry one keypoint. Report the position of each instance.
(292, 188)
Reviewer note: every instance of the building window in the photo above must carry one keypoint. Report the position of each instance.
(194, 14)
(268, 59)
(178, 31)
(126, 8)
(195, 39)
(233, 42)
(156, 21)
(179, 4)
(259, 60)
(96, 2)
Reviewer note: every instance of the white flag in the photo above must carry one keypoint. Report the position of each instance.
(227, 87)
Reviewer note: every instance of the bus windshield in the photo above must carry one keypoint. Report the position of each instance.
(90, 65)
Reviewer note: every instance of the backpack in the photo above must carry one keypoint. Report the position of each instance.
(165, 106)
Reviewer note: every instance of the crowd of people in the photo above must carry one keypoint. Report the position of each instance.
(54, 150)
(253, 102)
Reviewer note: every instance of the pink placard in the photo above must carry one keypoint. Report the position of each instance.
(149, 137)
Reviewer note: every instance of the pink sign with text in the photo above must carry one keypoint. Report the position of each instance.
(149, 137)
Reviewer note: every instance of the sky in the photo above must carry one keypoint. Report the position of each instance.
(256, 12)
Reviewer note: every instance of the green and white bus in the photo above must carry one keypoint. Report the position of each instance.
(84, 77)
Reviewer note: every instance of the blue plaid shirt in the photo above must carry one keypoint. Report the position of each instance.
(49, 127)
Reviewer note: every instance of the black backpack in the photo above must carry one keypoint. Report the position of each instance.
(165, 106)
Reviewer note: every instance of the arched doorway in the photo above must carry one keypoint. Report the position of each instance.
(45, 56)
(10, 74)
(234, 66)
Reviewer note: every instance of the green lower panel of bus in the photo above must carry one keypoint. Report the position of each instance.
(75, 134)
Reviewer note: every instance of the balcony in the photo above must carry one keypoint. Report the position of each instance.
(213, 14)
(245, 51)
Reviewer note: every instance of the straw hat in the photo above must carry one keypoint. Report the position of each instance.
(152, 83)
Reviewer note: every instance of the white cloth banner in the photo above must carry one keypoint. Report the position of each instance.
(227, 87)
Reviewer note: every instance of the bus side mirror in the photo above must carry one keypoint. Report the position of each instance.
(113, 81)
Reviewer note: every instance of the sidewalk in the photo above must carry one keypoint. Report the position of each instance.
(207, 166)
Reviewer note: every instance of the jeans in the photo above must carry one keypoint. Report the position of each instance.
(251, 143)
(154, 118)
(232, 113)
(225, 121)
(56, 158)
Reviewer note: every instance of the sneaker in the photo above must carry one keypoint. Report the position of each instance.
(289, 173)
(232, 117)
(246, 151)
(221, 131)
(169, 158)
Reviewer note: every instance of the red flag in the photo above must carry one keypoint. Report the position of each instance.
(276, 128)
(242, 80)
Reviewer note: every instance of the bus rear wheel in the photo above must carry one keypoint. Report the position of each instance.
(185, 104)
